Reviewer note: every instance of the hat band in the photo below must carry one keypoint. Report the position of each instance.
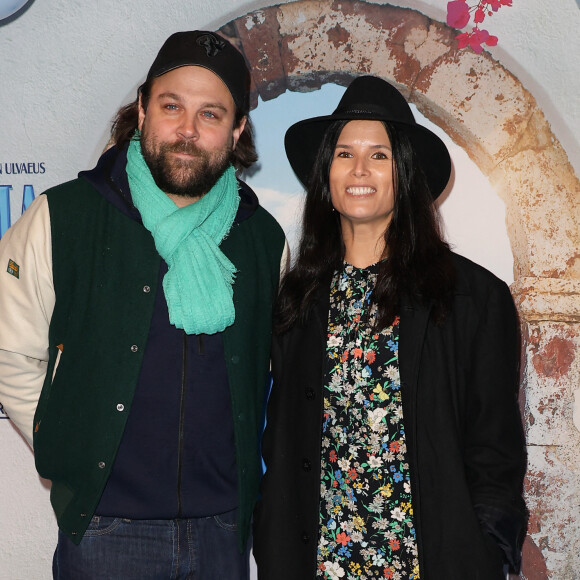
(379, 113)
(366, 111)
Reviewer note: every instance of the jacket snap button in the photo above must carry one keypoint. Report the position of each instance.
(120, 407)
(134, 348)
(305, 538)
(83, 515)
(101, 464)
(146, 289)
(310, 394)
(306, 465)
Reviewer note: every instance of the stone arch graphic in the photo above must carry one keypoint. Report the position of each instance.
(299, 46)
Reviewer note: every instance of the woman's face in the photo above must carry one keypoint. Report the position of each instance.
(361, 174)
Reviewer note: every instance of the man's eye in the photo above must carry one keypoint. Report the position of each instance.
(171, 106)
(209, 114)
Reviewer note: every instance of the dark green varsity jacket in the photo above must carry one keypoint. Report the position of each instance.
(105, 272)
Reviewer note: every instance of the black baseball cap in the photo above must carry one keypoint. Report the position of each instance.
(210, 51)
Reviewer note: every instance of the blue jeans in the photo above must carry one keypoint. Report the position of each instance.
(121, 549)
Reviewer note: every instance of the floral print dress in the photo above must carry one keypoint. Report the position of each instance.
(366, 516)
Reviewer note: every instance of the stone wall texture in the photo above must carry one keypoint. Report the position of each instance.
(484, 108)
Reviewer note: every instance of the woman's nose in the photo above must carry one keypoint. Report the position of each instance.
(360, 167)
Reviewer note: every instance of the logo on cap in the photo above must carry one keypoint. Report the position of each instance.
(212, 44)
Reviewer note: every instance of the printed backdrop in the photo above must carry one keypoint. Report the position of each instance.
(66, 67)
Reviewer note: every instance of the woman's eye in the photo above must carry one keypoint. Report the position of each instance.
(343, 154)
(379, 155)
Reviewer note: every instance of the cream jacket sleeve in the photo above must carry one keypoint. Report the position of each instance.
(26, 305)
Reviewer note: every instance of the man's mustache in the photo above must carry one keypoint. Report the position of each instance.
(186, 147)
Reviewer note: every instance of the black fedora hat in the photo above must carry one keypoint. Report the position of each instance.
(374, 99)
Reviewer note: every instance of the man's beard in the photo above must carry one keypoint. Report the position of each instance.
(186, 177)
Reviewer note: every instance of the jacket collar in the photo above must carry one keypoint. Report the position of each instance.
(413, 326)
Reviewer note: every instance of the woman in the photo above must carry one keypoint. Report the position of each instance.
(393, 445)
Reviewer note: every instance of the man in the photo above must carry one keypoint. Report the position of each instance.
(136, 310)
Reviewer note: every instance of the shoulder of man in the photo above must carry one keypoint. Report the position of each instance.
(72, 197)
(250, 205)
(106, 182)
(65, 188)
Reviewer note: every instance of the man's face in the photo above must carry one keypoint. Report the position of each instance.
(187, 131)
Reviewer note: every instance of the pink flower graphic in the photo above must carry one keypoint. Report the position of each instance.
(459, 13)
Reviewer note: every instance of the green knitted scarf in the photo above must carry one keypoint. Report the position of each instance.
(198, 283)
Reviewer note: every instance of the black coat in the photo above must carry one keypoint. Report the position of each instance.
(466, 449)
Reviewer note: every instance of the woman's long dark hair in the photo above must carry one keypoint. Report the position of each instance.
(127, 119)
(418, 264)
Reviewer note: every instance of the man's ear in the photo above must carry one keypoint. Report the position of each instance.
(141, 115)
(239, 130)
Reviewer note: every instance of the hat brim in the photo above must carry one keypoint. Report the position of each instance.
(303, 139)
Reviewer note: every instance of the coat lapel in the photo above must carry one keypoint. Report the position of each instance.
(414, 320)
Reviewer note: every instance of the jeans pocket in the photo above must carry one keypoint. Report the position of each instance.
(102, 526)
(227, 521)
